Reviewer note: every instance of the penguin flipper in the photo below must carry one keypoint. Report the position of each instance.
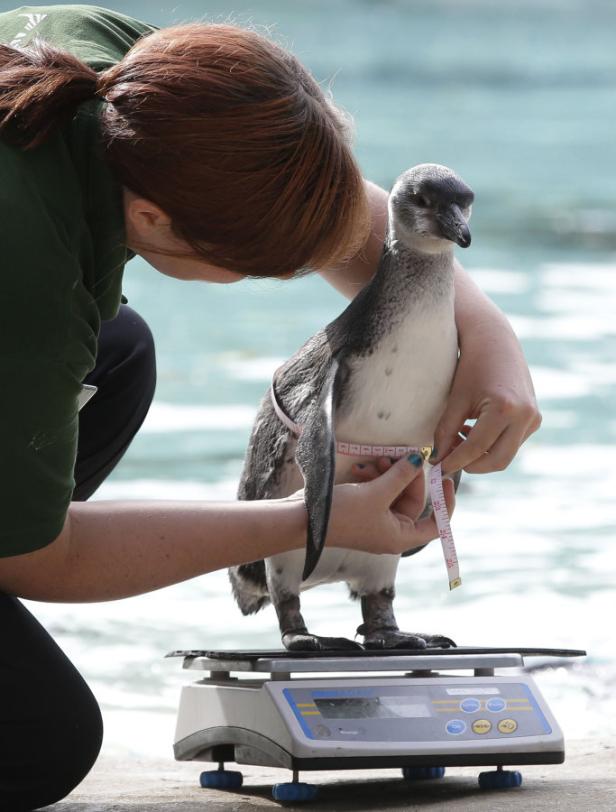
(316, 458)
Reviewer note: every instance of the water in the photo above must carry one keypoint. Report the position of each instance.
(520, 101)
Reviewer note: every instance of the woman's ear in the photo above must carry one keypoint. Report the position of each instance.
(145, 221)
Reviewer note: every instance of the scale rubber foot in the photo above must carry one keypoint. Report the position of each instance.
(221, 779)
(500, 779)
(295, 791)
(422, 773)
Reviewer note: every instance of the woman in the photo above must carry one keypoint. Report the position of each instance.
(212, 153)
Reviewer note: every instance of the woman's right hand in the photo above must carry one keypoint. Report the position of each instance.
(381, 513)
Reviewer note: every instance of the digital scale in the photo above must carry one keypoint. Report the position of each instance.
(420, 711)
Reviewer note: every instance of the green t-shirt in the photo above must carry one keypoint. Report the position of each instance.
(62, 254)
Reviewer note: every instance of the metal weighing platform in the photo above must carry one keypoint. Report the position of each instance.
(420, 711)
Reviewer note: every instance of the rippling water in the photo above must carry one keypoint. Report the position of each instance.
(520, 101)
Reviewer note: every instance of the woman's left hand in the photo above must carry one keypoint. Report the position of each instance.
(492, 386)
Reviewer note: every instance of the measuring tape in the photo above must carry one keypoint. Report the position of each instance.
(444, 527)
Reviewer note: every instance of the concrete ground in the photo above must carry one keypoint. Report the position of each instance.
(586, 782)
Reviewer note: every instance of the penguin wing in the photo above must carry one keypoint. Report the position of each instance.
(264, 457)
(315, 456)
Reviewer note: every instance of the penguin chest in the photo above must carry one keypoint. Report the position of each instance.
(397, 392)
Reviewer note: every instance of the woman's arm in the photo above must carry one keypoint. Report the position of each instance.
(110, 550)
(350, 278)
(492, 384)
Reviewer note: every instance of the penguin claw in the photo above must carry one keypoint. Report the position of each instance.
(439, 641)
(311, 642)
(393, 639)
(390, 639)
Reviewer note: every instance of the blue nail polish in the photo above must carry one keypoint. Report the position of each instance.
(415, 459)
(434, 453)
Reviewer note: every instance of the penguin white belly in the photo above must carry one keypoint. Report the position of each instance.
(365, 573)
(397, 395)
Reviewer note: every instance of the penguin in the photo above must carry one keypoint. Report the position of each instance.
(380, 373)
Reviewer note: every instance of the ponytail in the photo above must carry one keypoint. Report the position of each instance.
(39, 88)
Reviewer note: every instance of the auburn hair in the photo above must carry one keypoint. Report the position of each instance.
(220, 127)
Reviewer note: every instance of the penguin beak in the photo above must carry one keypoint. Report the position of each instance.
(453, 225)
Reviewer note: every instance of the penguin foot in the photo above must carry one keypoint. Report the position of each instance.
(296, 641)
(388, 638)
(439, 641)
(393, 638)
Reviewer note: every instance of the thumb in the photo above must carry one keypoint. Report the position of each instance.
(393, 482)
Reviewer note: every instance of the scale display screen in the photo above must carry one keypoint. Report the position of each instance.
(384, 707)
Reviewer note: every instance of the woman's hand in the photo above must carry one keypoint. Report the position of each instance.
(498, 394)
(492, 386)
(382, 515)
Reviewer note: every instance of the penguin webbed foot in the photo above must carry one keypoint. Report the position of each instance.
(439, 641)
(304, 641)
(394, 638)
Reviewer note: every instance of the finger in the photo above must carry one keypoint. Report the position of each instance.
(366, 471)
(479, 441)
(460, 438)
(426, 530)
(412, 500)
(534, 424)
(384, 464)
(502, 452)
(449, 492)
(446, 432)
(392, 482)
(498, 457)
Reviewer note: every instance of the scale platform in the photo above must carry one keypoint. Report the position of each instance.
(419, 710)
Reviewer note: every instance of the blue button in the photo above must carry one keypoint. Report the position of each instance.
(456, 727)
(496, 704)
(470, 705)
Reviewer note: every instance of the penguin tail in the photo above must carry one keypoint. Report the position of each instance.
(249, 587)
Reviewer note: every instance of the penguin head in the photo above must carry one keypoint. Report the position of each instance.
(429, 209)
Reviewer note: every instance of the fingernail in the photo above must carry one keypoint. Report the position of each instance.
(415, 459)
(434, 453)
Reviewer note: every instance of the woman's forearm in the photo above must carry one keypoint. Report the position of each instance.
(110, 550)
(351, 277)
(474, 311)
